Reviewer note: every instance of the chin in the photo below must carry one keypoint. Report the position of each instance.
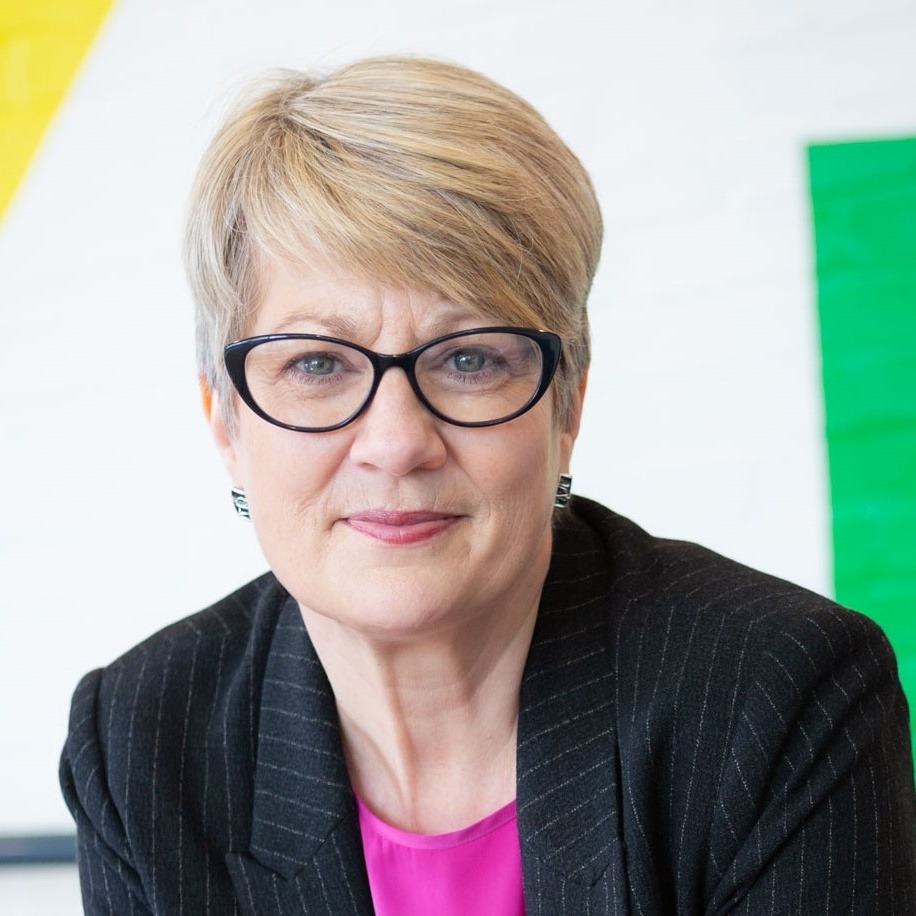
(396, 605)
(391, 621)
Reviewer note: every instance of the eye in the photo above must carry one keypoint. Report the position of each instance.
(469, 360)
(315, 364)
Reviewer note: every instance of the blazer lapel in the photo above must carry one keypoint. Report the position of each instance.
(305, 853)
(569, 813)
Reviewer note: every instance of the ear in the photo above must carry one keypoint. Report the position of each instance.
(222, 436)
(206, 396)
(571, 430)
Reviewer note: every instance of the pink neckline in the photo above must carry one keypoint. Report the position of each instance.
(367, 819)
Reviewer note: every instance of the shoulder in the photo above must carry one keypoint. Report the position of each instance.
(163, 691)
(652, 585)
(160, 733)
(233, 623)
(232, 617)
(697, 642)
(211, 643)
(763, 715)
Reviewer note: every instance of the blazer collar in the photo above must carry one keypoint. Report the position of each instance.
(305, 846)
(567, 764)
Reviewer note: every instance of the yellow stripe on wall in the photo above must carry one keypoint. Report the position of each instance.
(42, 43)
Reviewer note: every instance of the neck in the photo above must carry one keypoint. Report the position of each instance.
(428, 723)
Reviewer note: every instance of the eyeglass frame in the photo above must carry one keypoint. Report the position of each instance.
(235, 354)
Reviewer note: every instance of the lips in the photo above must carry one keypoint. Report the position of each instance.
(395, 527)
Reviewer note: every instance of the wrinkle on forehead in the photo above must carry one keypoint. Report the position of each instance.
(320, 297)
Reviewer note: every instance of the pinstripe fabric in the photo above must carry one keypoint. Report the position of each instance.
(694, 737)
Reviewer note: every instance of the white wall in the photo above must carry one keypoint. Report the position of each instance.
(704, 414)
(33, 890)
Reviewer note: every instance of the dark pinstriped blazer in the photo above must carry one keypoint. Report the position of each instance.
(694, 737)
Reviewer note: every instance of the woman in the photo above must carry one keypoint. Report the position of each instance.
(459, 691)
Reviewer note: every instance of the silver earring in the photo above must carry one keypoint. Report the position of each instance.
(564, 491)
(240, 501)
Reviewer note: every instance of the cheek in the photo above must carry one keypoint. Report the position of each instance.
(287, 474)
(521, 473)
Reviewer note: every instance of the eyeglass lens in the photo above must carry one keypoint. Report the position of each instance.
(477, 378)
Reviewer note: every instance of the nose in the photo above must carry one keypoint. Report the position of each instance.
(396, 433)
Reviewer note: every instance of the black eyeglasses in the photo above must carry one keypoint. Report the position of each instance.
(312, 384)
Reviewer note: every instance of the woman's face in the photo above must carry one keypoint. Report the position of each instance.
(399, 525)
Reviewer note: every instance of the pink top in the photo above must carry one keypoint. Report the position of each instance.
(476, 871)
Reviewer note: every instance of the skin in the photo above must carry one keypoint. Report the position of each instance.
(423, 625)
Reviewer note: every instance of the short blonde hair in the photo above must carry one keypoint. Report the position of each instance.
(411, 171)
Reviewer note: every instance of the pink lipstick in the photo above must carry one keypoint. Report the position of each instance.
(392, 527)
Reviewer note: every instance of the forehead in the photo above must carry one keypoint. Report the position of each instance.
(319, 296)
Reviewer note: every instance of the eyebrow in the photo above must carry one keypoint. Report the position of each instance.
(346, 328)
(334, 325)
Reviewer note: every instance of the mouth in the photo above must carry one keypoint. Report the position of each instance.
(394, 527)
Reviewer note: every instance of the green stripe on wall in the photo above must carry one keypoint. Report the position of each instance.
(864, 198)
